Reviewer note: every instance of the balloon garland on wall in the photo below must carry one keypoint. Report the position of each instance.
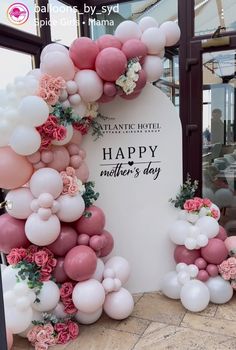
(53, 234)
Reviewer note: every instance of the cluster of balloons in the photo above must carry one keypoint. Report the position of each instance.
(196, 280)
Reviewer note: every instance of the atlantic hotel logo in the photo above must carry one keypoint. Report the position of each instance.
(130, 128)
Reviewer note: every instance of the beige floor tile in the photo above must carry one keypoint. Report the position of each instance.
(162, 337)
(107, 322)
(210, 311)
(137, 297)
(155, 307)
(133, 325)
(21, 343)
(227, 311)
(212, 325)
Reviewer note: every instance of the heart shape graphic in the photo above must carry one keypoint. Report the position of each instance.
(131, 163)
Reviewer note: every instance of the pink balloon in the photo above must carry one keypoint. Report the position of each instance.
(182, 254)
(45, 200)
(108, 40)
(222, 234)
(110, 64)
(134, 48)
(71, 208)
(90, 85)
(212, 270)
(200, 263)
(21, 199)
(61, 158)
(58, 64)
(202, 276)
(83, 52)
(96, 242)
(92, 225)
(47, 156)
(15, 170)
(12, 233)
(66, 240)
(106, 99)
(77, 137)
(76, 161)
(73, 149)
(34, 158)
(142, 80)
(9, 337)
(109, 89)
(59, 272)
(46, 180)
(109, 243)
(82, 172)
(230, 243)
(80, 263)
(83, 239)
(215, 252)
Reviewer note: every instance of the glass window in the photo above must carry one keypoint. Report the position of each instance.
(9, 58)
(64, 22)
(19, 15)
(210, 14)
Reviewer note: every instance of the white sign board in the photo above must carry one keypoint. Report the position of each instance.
(137, 167)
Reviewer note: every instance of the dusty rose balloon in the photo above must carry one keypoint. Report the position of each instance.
(83, 52)
(222, 235)
(61, 158)
(76, 161)
(83, 172)
(20, 199)
(106, 99)
(80, 263)
(109, 89)
(110, 64)
(182, 254)
(46, 180)
(109, 243)
(15, 171)
(90, 85)
(47, 156)
(59, 272)
(108, 40)
(212, 270)
(200, 263)
(58, 64)
(230, 243)
(12, 233)
(96, 242)
(142, 80)
(77, 137)
(73, 149)
(202, 276)
(34, 158)
(66, 240)
(83, 239)
(92, 225)
(215, 252)
(9, 337)
(134, 48)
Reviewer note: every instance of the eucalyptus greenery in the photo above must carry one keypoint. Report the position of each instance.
(65, 116)
(50, 318)
(187, 191)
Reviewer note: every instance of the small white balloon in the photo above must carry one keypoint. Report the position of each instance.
(153, 67)
(194, 231)
(98, 274)
(181, 267)
(121, 267)
(179, 231)
(23, 303)
(154, 39)
(75, 99)
(49, 297)
(71, 87)
(202, 240)
(193, 270)
(117, 284)
(119, 305)
(88, 318)
(171, 31)
(59, 311)
(170, 285)
(71, 207)
(195, 296)
(190, 243)
(108, 284)
(21, 199)
(109, 272)
(127, 30)
(147, 22)
(220, 290)
(17, 321)
(183, 277)
(208, 226)
(21, 289)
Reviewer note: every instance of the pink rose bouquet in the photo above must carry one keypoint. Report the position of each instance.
(51, 130)
(227, 269)
(50, 88)
(66, 291)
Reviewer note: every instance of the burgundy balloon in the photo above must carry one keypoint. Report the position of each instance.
(106, 99)
(66, 240)
(202, 276)
(200, 263)
(215, 252)
(142, 80)
(109, 243)
(59, 272)
(96, 242)
(110, 64)
(92, 225)
(222, 234)
(83, 239)
(83, 52)
(108, 40)
(12, 233)
(212, 270)
(80, 263)
(134, 48)
(182, 254)
(109, 89)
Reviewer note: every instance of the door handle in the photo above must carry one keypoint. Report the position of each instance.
(190, 128)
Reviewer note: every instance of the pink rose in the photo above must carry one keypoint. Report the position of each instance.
(66, 290)
(224, 267)
(73, 329)
(190, 205)
(59, 133)
(70, 171)
(60, 327)
(48, 251)
(63, 337)
(41, 346)
(41, 258)
(233, 273)
(73, 190)
(52, 262)
(70, 309)
(226, 276)
(43, 336)
(233, 284)
(232, 262)
(52, 98)
(214, 213)
(31, 335)
(207, 202)
(45, 143)
(16, 255)
(42, 93)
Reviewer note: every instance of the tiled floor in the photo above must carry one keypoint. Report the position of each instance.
(158, 323)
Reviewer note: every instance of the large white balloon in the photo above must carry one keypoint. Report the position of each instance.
(147, 22)
(46, 180)
(119, 305)
(195, 296)
(33, 111)
(69, 134)
(17, 321)
(179, 231)
(88, 296)
(170, 285)
(9, 278)
(88, 318)
(49, 297)
(154, 39)
(153, 67)
(171, 31)
(21, 199)
(37, 316)
(98, 274)
(220, 290)
(6, 129)
(71, 207)
(120, 266)
(208, 226)
(127, 30)
(25, 140)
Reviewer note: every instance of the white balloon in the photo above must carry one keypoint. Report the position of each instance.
(195, 296)
(208, 226)
(109, 272)
(182, 215)
(9, 298)
(52, 185)
(33, 111)
(170, 285)
(202, 240)
(17, 321)
(179, 231)
(49, 297)
(214, 206)
(153, 67)
(25, 140)
(71, 87)
(181, 267)
(53, 48)
(88, 296)
(108, 284)
(223, 197)
(88, 318)
(98, 274)
(59, 311)
(191, 217)
(63, 96)
(21, 289)
(127, 30)
(194, 231)
(71, 207)
(147, 22)
(171, 31)
(36, 73)
(68, 137)
(20, 199)
(90, 85)
(120, 266)
(9, 278)
(193, 270)
(36, 316)
(75, 99)
(6, 129)
(154, 39)
(22, 303)
(190, 243)
(119, 305)
(220, 290)
(183, 277)
(81, 109)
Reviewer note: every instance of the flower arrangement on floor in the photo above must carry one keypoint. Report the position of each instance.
(203, 272)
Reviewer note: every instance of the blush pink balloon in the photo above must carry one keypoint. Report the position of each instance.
(200, 263)
(230, 243)
(110, 64)
(83, 172)
(47, 156)
(93, 225)
(61, 158)
(108, 245)
(59, 272)
(12, 234)
(182, 254)
(109, 89)
(73, 149)
(58, 64)
(76, 161)
(77, 137)
(134, 48)
(34, 158)
(80, 263)
(46, 180)
(15, 171)
(108, 40)
(90, 85)
(21, 199)
(71, 208)
(222, 234)
(212, 270)
(202, 276)
(9, 337)
(106, 99)
(96, 242)
(83, 52)
(83, 239)
(215, 252)
(66, 240)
